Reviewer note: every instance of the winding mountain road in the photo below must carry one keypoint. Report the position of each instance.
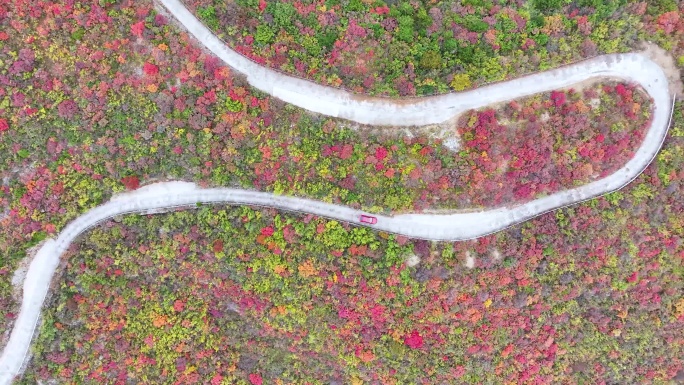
(414, 111)
(632, 67)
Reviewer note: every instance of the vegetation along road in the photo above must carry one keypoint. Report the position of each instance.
(633, 67)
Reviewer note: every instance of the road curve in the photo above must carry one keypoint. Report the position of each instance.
(633, 67)
(405, 112)
(158, 197)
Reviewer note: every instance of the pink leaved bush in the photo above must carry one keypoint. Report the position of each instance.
(178, 305)
(138, 28)
(67, 109)
(558, 98)
(159, 20)
(414, 340)
(4, 126)
(381, 153)
(150, 69)
(255, 379)
(24, 63)
(267, 231)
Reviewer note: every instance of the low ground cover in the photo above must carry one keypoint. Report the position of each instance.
(403, 48)
(219, 295)
(96, 98)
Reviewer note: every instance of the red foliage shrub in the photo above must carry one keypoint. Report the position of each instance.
(218, 246)
(381, 10)
(421, 248)
(668, 21)
(255, 379)
(4, 126)
(211, 64)
(414, 340)
(138, 28)
(150, 69)
(267, 231)
(634, 277)
(131, 182)
(405, 86)
(523, 192)
(18, 99)
(380, 153)
(558, 98)
(59, 358)
(178, 305)
(347, 151)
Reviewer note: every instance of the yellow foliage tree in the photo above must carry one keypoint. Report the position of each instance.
(461, 82)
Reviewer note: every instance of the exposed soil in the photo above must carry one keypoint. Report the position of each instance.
(668, 64)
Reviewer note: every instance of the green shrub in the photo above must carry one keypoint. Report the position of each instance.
(478, 3)
(475, 24)
(327, 39)
(406, 8)
(541, 39)
(657, 7)
(548, 6)
(431, 60)
(355, 6)
(536, 21)
(311, 45)
(248, 3)
(264, 34)
(78, 34)
(36, 238)
(283, 14)
(234, 105)
(405, 31)
(423, 20)
(377, 29)
(208, 16)
(449, 44)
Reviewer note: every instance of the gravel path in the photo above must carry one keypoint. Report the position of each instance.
(633, 67)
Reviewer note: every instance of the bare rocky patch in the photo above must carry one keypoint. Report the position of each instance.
(412, 260)
(667, 62)
(469, 260)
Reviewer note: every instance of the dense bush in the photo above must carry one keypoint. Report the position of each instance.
(137, 103)
(101, 96)
(574, 141)
(590, 294)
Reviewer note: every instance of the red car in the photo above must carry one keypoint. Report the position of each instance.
(369, 219)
